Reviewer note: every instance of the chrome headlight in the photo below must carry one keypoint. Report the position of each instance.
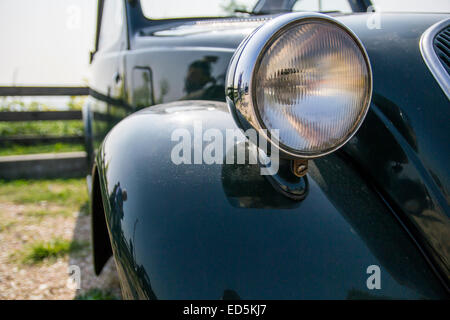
(306, 75)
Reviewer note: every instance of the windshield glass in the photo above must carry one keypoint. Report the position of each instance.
(156, 9)
(168, 9)
(412, 5)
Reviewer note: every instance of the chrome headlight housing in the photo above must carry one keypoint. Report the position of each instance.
(307, 76)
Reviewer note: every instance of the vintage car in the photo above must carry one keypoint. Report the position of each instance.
(339, 120)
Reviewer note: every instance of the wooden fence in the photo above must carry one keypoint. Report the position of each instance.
(44, 91)
(42, 165)
(13, 116)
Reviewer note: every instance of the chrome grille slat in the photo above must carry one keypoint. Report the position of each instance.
(442, 48)
(435, 49)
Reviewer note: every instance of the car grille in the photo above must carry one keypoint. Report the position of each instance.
(441, 44)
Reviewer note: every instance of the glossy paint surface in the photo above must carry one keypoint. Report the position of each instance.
(403, 144)
(197, 231)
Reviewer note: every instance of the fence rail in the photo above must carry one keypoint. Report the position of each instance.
(34, 140)
(40, 115)
(49, 165)
(44, 91)
(15, 116)
(37, 166)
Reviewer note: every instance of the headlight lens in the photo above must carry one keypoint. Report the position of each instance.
(312, 85)
(312, 82)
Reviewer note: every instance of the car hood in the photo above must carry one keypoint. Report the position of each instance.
(227, 33)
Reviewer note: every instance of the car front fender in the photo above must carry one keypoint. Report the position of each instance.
(211, 231)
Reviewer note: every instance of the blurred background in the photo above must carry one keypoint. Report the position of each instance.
(44, 217)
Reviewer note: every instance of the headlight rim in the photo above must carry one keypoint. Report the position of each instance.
(253, 48)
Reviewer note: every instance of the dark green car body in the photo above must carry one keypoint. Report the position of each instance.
(223, 231)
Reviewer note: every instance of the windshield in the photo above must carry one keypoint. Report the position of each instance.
(169, 9)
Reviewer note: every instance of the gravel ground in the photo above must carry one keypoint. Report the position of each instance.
(48, 279)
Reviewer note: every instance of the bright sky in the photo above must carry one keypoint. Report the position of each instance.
(47, 42)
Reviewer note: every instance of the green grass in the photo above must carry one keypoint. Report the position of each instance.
(40, 212)
(5, 225)
(70, 193)
(50, 212)
(41, 128)
(40, 104)
(42, 148)
(40, 251)
(96, 294)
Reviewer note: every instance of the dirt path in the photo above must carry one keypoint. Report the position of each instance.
(48, 279)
